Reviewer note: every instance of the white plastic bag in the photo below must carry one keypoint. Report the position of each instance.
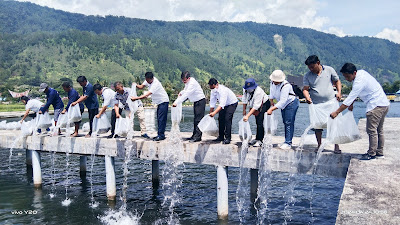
(208, 126)
(86, 127)
(101, 125)
(133, 105)
(319, 113)
(63, 121)
(270, 123)
(44, 121)
(343, 129)
(27, 128)
(176, 114)
(122, 126)
(74, 114)
(244, 130)
(13, 126)
(3, 125)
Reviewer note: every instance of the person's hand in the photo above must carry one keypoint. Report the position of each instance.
(21, 121)
(134, 98)
(269, 111)
(117, 115)
(245, 118)
(338, 97)
(174, 105)
(334, 115)
(308, 100)
(351, 107)
(74, 103)
(98, 116)
(212, 114)
(63, 111)
(40, 112)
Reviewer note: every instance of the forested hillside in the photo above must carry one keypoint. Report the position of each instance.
(41, 44)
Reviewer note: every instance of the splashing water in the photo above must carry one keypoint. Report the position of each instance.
(241, 191)
(16, 140)
(93, 204)
(67, 201)
(119, 217)
(53, 172)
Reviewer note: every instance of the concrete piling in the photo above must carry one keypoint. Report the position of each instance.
(253, 183)
(82, 165)
(110, 178)
(28, 157)
(37, 170)
(155, 172)
(222, 192)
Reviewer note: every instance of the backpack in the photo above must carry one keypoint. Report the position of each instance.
(296, 90)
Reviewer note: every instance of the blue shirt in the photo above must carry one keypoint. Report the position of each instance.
(53, 98)
(91, 101)
(72, 97)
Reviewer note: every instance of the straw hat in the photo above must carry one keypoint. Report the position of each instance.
(277, 76)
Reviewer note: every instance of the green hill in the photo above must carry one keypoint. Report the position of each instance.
(41, 44)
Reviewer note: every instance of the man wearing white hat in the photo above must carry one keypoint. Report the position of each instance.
(282, 91)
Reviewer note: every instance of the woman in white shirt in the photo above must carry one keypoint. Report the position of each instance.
(282, 91)
(255, 97)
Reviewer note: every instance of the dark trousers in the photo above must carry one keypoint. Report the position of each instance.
(162, 112)
(199, 108)
(225, 121)
(92, 114)
(79, 122)
(114, 119)
(260, 121)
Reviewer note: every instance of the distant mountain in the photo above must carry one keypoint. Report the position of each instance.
(42, 44)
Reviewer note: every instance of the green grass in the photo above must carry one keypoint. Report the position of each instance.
(15, 107)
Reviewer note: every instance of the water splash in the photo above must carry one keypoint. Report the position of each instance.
(241, 191)
(119, 217)
(16, 140)
(93, 204)
(53, 172)
(67, 201)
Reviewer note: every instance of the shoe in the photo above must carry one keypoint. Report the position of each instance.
(337, 151)
(285, 146)
(257, 144)
(116, 136)
(47, 129)
(226, 141)
(367, 156)
(110, 136)
(379, 156)
(219, 139)
(195, 140)
(279, 145)
(39, 131)
(145, 136)
(158, 138)
(252, 142)
(188, 139)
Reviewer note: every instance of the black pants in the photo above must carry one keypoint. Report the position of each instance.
(114, 119)
(199, 108)
(225, 121)
(260, 121)
(92, 114)
(79, 122)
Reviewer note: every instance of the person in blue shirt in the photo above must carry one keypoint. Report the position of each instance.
(53, 98)
(72, 97)
(90, 99)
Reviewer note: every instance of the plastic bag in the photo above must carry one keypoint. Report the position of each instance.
(27, 128)
(44, 121)
(343, 129)
(319, 113)
(270, 123)
(208, 126)
(13, 126)
(86, 127)
(63, 121)
(133, 105)
(74, 114)
(244, 130)
(3, 125)
(101, 125)
(122, 126)
(176, 114)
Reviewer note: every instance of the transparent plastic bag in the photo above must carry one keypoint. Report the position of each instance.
(208, 126)
(3, 125)
(133, 105)
(270, 123)
(63, 121)
(101, 125)
(13, 126)
(27, 128)
(319, 113)
(86, 127)
(244, 130)
(122, 126)
(343, 129)
(176, 114)
(44, 121)
(74, 113)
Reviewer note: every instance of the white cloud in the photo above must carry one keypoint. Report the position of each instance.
(389, 34)
(285, 12)
(336, 31)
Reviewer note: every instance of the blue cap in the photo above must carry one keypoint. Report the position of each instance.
(250, 84)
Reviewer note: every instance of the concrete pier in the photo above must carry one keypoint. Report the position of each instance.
(37, 170)
(222, 192)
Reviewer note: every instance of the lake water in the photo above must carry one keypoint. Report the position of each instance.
(20, 203)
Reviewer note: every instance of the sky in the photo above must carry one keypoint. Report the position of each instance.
(340, 17)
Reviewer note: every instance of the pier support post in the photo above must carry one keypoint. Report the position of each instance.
(37, 171)
(155, 172)
(222, 192)
(28, 157)
(110, 178)
(82, 165)
(253, 184)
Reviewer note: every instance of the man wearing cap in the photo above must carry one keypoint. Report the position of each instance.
(53, 98)
(281, 90)
(318, 88)
(226, 108)
(255, 97)
(194, 93)
(90, 99)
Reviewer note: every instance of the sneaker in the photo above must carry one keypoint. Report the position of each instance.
(226, 141)
(110, 136)
(145, 136)
(218, 139)
(252, 142)
(279, 145)
(158, 138)
(39, 131)
(257, 144)
(379, 156)
(285, 146)
(367, 156)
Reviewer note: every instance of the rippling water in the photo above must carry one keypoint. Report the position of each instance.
(20, 203)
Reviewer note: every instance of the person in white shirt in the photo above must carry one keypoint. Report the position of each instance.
(226, 108)
(369, 91)
(255, 97)
(109, 100)
(282, 91)
(160, 98)
(194, 93)
(30, 105)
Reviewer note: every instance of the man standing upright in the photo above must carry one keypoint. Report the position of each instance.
(194, 93)
(72, 97)
(371, 93)
(226, 108)
(53, 98)
(90, 99)
(318, 88)
(159, 97)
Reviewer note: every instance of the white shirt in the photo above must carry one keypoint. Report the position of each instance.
(282, 94)
(108, 97)
(255, 102)
(368, 89)
(223, 95)
(192, 91)
(34, 105)
(158, 94)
